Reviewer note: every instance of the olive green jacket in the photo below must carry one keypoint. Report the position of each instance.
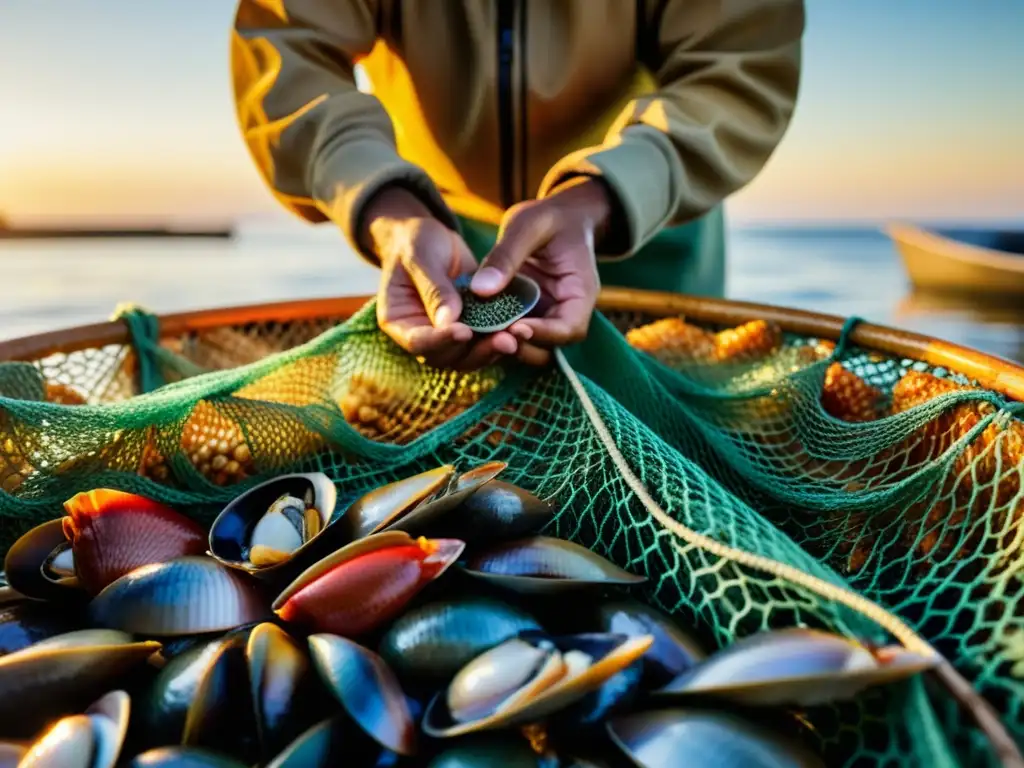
(479, 104)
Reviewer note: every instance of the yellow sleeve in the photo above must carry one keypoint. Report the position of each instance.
(323, 146)
(728, 75)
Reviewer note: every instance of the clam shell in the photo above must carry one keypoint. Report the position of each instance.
(233, 527)
(619, 653)
(680, 738)
(433, 642)
(523, 288)
(61, 675)
(189, 595)
(280, 680)
(545, 565)
(674, 651)
(113, 533)
(801, 666)
(184, 757)
(381, 507)
(437, 513)
(366, 583)
(23, 564)
(367, 689)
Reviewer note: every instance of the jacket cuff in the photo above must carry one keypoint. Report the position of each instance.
(636, 172)
(347, 179)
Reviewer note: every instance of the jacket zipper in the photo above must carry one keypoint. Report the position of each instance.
(506, 124)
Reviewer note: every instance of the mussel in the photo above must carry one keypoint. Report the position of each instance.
(90, 740)
(273, 523)
(60, 675)
(105, 535)
(493, 511)
(421, 504)
(333, 742)
(678, 738)
(111, 533)
(542, 564)
(41, 564)
(366, 583)
(188, 595)
(433, 642)
(795, 666)
(284, 689)
(368, 691)
(200, 699)
(673, 651)
(528, 678)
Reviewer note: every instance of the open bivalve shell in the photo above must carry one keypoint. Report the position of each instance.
(528, 678)
(273, 523)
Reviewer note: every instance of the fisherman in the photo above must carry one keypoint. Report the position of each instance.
(579, 142)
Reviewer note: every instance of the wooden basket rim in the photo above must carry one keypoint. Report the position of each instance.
(990, 371)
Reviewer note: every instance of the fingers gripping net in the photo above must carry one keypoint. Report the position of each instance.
(758, 480)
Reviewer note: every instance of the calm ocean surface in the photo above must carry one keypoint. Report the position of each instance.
(47, 285)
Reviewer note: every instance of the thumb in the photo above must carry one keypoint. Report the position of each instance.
(432, 270)
(525, 232)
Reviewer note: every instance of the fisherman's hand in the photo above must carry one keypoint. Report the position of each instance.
(417, 302)
(552, 241)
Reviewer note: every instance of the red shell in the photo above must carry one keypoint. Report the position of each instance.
(112, 533)
(359, 595)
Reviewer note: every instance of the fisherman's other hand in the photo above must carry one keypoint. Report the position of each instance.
(417, 302)
(552, 241)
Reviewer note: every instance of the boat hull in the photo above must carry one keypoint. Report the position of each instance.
(940, 264)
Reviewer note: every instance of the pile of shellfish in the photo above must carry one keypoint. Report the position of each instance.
(428, 623)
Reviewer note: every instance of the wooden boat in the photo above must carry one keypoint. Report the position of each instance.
(978, 262)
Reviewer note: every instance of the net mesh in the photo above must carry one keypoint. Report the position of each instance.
(874, 475)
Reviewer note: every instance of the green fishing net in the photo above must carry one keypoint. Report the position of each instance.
(756, 484)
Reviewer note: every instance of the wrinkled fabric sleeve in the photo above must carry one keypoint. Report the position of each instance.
(728, 75)
(324, 147)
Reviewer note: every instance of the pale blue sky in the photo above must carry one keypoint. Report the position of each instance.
(909, 108)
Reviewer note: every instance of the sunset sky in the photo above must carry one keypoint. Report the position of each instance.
(116, 109)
